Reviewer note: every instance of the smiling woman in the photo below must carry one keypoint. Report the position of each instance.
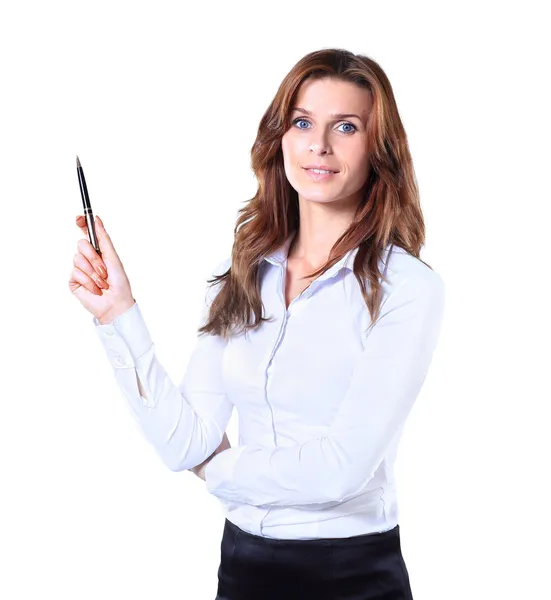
(334, 111)
(314, 93)
(337, 193)
(347, 166)
(319, 329)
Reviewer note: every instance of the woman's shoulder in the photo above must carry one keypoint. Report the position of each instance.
(402, 266)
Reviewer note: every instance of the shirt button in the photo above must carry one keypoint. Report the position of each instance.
(119, 360)
(109, 332)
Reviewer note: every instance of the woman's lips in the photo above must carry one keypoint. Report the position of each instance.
(319, 176)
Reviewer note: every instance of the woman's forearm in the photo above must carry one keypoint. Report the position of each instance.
(199, 470)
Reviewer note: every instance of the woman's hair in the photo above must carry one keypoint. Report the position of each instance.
(389, 212)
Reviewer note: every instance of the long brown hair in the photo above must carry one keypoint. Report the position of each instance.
(389, 213)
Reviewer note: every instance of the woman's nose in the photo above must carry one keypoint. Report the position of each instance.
(319, 146)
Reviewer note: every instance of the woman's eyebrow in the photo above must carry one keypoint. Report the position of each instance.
(334, 115)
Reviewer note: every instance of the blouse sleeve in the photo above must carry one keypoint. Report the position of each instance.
(386, 380)
(185, 423)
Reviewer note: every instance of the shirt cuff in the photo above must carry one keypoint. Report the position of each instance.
(125, 339)
(219, 473)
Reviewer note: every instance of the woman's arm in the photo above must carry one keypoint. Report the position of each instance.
(199, 470)
(384, 385)
(184, 423)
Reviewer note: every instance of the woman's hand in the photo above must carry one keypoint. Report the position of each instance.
(199, 470)
(99, 282)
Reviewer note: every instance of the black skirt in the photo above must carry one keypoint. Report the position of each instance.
(363, 567)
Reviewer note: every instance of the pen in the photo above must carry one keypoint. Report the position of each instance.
(88, 215)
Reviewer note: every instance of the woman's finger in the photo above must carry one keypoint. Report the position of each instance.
(105, 244)
(79, 276)
(82, 262)
(89, 251)
(93, 258)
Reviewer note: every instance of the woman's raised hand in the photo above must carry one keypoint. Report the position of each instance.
(99, 282)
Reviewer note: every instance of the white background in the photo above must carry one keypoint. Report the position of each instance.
(161, 101)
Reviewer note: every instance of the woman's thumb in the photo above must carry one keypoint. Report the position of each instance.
(105, 244)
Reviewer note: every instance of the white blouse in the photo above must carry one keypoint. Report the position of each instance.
(321, 400)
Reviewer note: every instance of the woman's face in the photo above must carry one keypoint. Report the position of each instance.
(323, 138)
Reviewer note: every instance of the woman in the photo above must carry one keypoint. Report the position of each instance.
(320, 329)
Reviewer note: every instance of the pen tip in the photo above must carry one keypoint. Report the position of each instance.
(78, 162)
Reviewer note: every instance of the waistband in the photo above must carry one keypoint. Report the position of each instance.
(367, 539)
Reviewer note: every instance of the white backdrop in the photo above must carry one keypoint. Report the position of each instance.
(161, 101)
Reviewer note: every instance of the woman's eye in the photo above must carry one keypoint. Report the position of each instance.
(298, 121)
(354, 128)
(350, 125)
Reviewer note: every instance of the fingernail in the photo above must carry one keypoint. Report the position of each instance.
(101, 271)
(101, 283)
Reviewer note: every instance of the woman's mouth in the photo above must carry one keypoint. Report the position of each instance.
(320, 174)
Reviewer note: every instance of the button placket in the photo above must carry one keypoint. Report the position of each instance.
(299, 301)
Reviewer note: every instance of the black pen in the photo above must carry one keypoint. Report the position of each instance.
(88, 215)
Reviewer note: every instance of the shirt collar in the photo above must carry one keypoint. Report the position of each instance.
(279, 257)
